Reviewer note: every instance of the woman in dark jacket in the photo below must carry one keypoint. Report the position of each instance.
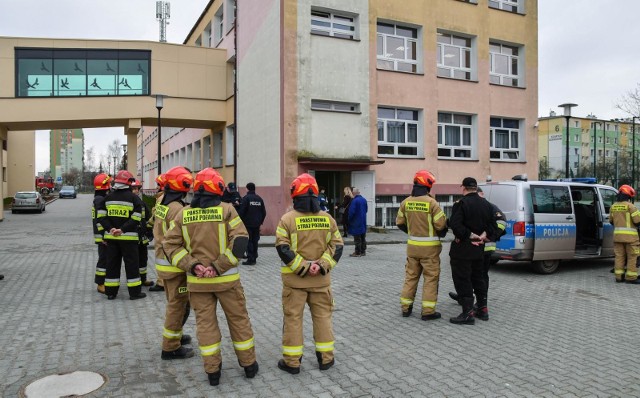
(343, 210)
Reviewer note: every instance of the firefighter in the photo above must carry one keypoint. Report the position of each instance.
(422, 219)
(120, 215)
(309, 244)
(481, 311)
(625, 217)
(102, 185)
(145, 234)
(160, 181)
(206, 240)
(178, 182)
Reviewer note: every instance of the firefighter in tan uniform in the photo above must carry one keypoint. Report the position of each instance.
(206, 239)
(178, 182)
(625, 217)
(309, 244)
(161, 180)
(422, 219)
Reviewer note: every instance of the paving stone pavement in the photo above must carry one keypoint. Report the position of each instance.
(568, 334)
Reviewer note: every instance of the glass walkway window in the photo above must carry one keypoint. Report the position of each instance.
(46, 72)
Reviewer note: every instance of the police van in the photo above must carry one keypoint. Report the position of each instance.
(551, 221)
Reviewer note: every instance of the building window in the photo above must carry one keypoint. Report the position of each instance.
(454, 136)
(504, 140)
(608, 140)
(506, 5)
(398, 132)
(231, 13)
(335, 106)
(454, 56)
(599, 140)
(397, 48)
(46, 72)
(331, 24)
(217, 149)
(504, 61)
(576, 138)
(606, 153)
(230, 146)
(218, 25)
(199, 41)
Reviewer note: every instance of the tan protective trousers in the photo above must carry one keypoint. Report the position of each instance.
(429, 267)
(175, 289)
(626, 255)
(235, 309)
(320, 300)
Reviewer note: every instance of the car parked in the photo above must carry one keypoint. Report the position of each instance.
(28, 200)
(67, 191)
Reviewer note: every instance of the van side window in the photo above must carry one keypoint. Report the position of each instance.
(550, 199)
(608, 198)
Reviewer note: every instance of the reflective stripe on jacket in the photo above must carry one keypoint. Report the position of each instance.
(624, 216)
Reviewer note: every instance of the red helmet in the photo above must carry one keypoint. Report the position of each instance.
(178, 179)
(627, 190)
(136, 184)
(102, 182)
(304, 184)
(424, 178)
(210, 180)
(124, 177)
(161, 180)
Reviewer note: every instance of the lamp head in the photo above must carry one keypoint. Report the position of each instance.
(567, 108)
(159, 101)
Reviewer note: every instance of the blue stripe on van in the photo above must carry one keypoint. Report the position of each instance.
(508, 241)
(555, 231)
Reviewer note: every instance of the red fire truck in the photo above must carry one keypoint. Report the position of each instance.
(44, 184)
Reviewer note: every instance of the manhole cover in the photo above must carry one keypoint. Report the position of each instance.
(65, 385)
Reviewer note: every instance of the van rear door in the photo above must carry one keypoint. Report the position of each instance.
(555, 225)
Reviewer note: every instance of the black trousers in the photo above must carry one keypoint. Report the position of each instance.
(361, 243)
(117, 250)
(252, 245)
(101, 265)
(468, 277)
(486, 264)
(143, 258)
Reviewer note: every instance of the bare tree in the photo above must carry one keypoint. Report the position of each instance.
(629, 103)
(72, 177)
(90, 159)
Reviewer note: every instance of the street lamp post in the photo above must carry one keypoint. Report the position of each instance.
(159, 106)
(115, 165)
(594, 150)
(567, 115)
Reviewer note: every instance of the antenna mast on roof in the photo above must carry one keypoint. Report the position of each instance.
(163, 13)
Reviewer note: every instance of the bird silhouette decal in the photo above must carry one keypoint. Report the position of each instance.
(65, 83)
(43, 68)
(95, 84)
(124, 82)
(33, 86)
(140, 68)
(109, 68)
(76, 68)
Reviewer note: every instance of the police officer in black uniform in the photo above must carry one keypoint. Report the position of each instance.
(252, 212)
(472, 224)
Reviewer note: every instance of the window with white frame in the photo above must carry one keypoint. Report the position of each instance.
(504, 63)
(398, 132)
(606, 153)
(218, 25)
(333, 24)
(231, 13)
(335, 106)
(230, 146)
(576, 138)
(454, 56)
(504, 139)
(207, 36)
(506, 5)
(217, 149)
(576, 124)
(397, 47)
(455, 135)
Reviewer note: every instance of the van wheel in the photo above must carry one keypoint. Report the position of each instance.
(546, 266)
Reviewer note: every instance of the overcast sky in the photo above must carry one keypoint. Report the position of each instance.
(587, 48)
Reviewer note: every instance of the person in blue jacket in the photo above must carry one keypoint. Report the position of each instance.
(358, 223)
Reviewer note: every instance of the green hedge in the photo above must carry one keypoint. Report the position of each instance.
(149, 201)
(7, 200)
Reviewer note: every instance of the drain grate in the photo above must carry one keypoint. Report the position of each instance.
(65, 385)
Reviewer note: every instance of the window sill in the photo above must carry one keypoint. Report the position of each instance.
(401, 71)
(334, 111)
(508, 12)
(507, 161)
(468, 2)
(401, 157)
(459, 80)
(504, 85)
(333, 37)
(459, 159)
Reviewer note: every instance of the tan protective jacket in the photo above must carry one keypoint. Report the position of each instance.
(423, 218)
(162, 218)
(309, 237)
(206, 236)
(624, 216)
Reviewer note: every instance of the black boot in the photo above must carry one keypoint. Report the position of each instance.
(407, 312)
(185, 339)
(138, 296)
(180, 353)
(289, 369)
(482, 313)
(431, 317)
(251, 371)
(214, 378)
(466, 317)
(324, 366)
(455, 297)
(633, 282)
(156, 288)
